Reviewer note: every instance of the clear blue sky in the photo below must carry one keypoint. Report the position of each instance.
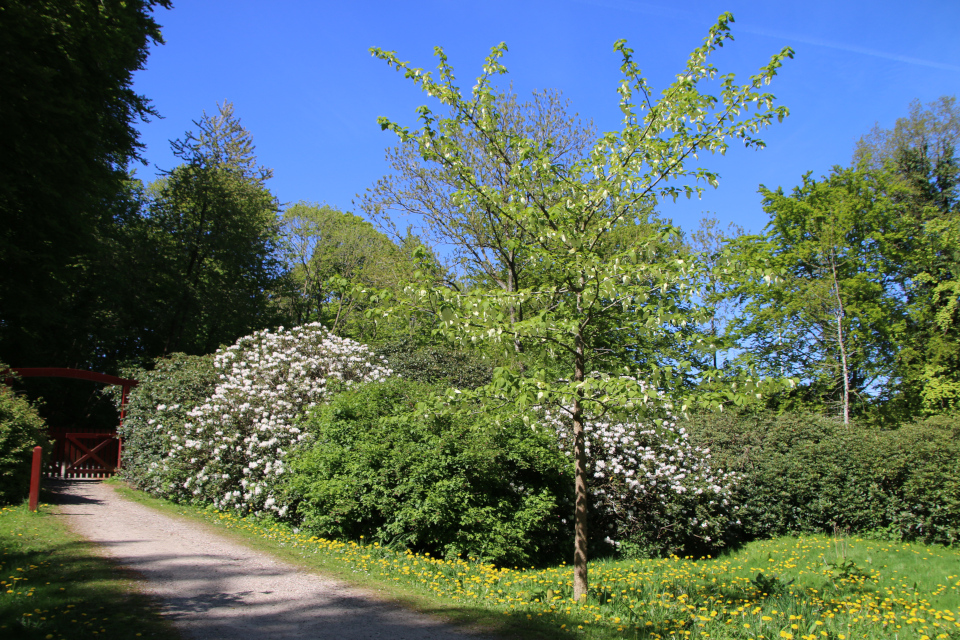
(303, 82)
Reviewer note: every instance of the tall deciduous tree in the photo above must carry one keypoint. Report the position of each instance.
(67, 131)
(921, 150)
(215, 224)
(835, 316)
(329, 255)
(566, 216)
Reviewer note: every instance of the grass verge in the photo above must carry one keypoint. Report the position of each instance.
(267, 537)
(806, 588)
(53, 585)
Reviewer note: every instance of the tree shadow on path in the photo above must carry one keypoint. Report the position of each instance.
(213, 588)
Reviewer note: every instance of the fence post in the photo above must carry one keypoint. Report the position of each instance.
(35, 478)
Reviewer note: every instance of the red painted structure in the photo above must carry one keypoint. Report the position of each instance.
(74, 455)
(35, 478)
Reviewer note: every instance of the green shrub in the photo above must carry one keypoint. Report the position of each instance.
(801, 473)
(21, 429)
(177, 384)
(921, 473)
(807, 474)
(486, 488)
(436, 364)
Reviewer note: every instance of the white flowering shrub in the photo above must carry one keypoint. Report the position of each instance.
(231, 450)
(176, 384)
(654, 492)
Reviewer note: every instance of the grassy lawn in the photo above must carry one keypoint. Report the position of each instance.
(803, 588)
(54, 585)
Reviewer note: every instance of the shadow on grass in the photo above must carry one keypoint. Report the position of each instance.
(199, 599)
(65, 590)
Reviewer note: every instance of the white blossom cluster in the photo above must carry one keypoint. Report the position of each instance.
(231, 450)
(652, 481)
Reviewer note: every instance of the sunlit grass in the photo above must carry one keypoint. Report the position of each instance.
(810, 587)
(53, 585)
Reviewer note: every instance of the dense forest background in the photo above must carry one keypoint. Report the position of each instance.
(851, 290)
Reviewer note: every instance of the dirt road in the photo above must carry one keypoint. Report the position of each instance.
(215, 589)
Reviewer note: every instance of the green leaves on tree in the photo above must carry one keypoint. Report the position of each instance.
(568, 215)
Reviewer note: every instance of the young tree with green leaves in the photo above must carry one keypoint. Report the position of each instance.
(567, 215)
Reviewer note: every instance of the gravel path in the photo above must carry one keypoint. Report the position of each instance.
(213, 588)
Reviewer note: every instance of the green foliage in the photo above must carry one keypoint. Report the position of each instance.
(68, 125)
(381, 469)
(930, 269)
(21, 429)
(835, 315)
(769, 585)
(806, 474)
(846, 570)
(179, 383)
(802, 473)
(436, 364)
(213, 223)
(330, 257)
(921, 469)
(921, 151)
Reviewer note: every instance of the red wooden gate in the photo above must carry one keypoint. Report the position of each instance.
(83, 454)
(79, 452)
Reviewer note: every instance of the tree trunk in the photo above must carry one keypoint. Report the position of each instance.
(516, 310)
(580, 583)
(842, 345)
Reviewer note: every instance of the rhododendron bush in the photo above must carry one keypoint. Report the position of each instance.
(803, 473)
(229, 450)
(220, 430)
(176, 384)
(653, 491)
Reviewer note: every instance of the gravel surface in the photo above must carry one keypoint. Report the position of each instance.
(213, 588)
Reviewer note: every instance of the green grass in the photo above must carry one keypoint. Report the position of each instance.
(54, 585)
(814, 587)
(467, 616)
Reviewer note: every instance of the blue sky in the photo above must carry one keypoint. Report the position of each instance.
(304, 83)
